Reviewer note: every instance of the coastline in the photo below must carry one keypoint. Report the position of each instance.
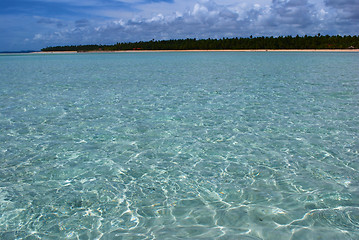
(223, 50)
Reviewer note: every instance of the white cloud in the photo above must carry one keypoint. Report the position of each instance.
(205, 19)
(38, 36)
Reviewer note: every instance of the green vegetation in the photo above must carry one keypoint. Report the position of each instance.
(287, 42)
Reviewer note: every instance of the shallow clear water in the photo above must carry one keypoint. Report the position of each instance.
(179, 146)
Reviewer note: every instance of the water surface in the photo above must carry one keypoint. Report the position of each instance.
(212, 145)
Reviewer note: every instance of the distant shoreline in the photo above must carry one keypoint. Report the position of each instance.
(223, 50)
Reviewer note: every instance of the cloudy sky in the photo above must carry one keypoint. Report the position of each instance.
(33, 24)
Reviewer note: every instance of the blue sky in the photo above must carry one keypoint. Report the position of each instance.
(34, 24)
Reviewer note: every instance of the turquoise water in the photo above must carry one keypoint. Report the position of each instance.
(179, 146)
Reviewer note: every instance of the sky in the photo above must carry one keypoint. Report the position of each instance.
(35, 24)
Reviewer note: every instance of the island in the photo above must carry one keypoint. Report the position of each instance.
(318, 42)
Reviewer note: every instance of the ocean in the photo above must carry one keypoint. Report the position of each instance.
(179, 145)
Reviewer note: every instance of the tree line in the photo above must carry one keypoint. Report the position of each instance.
(282, 42)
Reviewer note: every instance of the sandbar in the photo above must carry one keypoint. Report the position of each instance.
(214, 50)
